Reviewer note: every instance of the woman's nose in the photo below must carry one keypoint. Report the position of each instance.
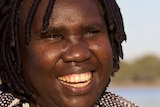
(76, 53)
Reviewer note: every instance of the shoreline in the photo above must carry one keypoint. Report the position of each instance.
(133, 85)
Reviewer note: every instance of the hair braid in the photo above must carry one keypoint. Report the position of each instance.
(30, 19)
(11, 54)
(4, 17)
(10, 68)
(115, 27)
(47, 15)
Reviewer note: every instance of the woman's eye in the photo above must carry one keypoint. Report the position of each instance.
(93, 32)
(54, 37)
(96, 31)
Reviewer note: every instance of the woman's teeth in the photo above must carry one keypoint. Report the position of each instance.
(76, 80)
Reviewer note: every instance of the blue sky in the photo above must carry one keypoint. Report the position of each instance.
(142, 26)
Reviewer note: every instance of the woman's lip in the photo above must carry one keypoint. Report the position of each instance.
(75, 70)
(78, 88)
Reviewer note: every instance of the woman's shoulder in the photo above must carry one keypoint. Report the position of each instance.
(8, 100)
(109, 99)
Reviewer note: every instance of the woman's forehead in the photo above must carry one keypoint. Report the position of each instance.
(41, 6)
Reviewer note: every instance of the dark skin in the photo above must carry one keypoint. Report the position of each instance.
(69, 64)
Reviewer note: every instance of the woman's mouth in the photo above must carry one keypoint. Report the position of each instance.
(76, 80)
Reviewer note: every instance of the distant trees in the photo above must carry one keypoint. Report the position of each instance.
(144, 71)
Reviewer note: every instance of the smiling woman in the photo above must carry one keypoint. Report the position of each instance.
(60, 53)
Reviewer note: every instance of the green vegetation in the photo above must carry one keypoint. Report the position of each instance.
(144, 71)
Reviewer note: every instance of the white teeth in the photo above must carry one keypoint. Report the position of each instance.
(76, 80)
(77, 85)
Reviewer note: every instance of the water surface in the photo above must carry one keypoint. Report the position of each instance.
(144, 97)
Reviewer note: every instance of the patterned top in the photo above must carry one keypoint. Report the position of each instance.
(108, 99)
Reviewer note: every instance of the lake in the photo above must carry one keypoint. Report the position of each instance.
(143, 97)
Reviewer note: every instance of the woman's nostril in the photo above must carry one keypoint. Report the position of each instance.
(76, 53)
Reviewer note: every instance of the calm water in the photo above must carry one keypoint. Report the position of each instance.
(144, 97)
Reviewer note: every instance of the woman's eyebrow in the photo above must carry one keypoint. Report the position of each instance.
(56, 29)
(94, 26)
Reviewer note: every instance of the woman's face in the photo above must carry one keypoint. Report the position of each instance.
(69, 64)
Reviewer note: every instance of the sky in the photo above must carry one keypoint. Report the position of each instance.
(142, 26)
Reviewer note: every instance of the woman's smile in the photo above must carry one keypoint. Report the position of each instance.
(76, 80)
(78, 84)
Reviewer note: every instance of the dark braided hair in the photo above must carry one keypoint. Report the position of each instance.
(114, 22)
(10, 60)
